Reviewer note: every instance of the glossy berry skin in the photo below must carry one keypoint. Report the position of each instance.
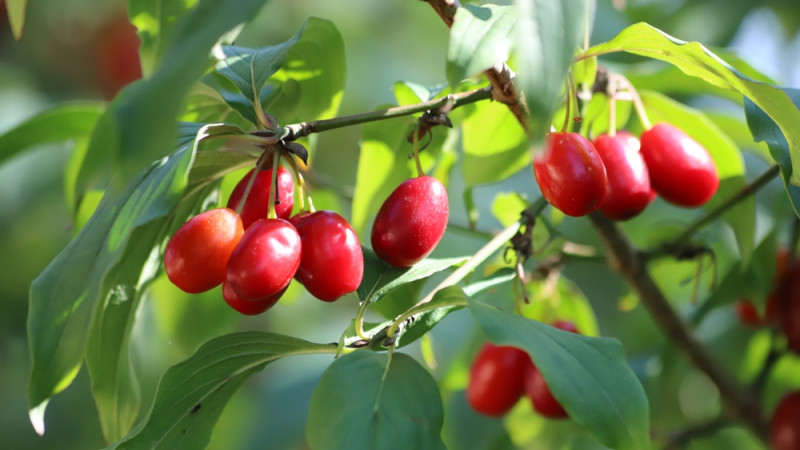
(496, 379)
(681, 170)
(571, 174)
(249, 307)
(265, 260)
(784, 427)
(411, 221)
(257, 203)
(197, 254)
(541, 398)
(536, 387)
(629, 190)
(332, 264)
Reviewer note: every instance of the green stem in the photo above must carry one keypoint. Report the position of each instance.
(415, 145)
(250, 183)
(745, 192)
(479, 257)
(298, 130)
(273, 192)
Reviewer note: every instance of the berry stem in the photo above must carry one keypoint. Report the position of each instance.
(612, 108)
(637, 101)
(299, 181)
(415, 144)
(273, 193)
(259, 164)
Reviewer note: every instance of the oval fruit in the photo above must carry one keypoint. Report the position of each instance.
(332, 263)
(265, 260)
(541, 398)
(629, 190)
(197, 254)
(411, 221)
(248, 307)
(571, 174)
(784, 427)
(257, 203)
(681, 170)
(496, 379)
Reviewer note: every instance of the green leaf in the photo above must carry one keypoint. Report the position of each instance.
(444, 302)
(479, 38)
(495, 145)
(249, 69)
(380, 278)
(697, 61)
(139, 125)
(192, 394)
(63, 297)
(588, 376)
(71, 120)
(547, 35)
(727, 159)
(16, 16)
(368, 400)
(765, 129)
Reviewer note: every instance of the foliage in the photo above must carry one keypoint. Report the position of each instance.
(207, 118)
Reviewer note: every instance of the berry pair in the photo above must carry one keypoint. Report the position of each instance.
(620, 176)
(501, 375)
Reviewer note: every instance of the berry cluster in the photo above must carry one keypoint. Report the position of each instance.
(501, 375)
(254, 257)
(621, 176)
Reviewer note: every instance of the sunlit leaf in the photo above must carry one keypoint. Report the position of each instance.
(16, 16)
(479, 39)
(379, 402)
(547, 35)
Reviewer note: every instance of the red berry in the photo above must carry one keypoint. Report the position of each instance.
(748, 314)
(541, 398)
(117, 57)
(784, 428)
(196, 256)
(332, 263)
(681, 170)
(788, 307)
(571, 174)
(249, 307)
(628, 180)
(265, 260)
(411, 221)
(257, 203)
(496, 379)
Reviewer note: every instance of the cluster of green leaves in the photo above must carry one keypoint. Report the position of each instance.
(83, 305)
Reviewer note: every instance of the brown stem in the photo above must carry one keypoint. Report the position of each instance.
(629, 262)
(501, 77)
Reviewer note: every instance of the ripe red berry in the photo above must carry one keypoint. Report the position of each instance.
(681, 170)
(249, 307)
(332, 263)
(496, 379)
(541, 398)
(265, 260)
(629, 190)
(257, 203)
(197, 254)
(571, 174)
(411, 221)
(117, 57)
(784, 428)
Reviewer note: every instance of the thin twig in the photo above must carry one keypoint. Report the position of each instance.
(629, 262)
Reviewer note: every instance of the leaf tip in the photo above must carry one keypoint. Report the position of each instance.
(36, 415)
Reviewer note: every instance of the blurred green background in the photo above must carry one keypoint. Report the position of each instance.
(61, 57)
